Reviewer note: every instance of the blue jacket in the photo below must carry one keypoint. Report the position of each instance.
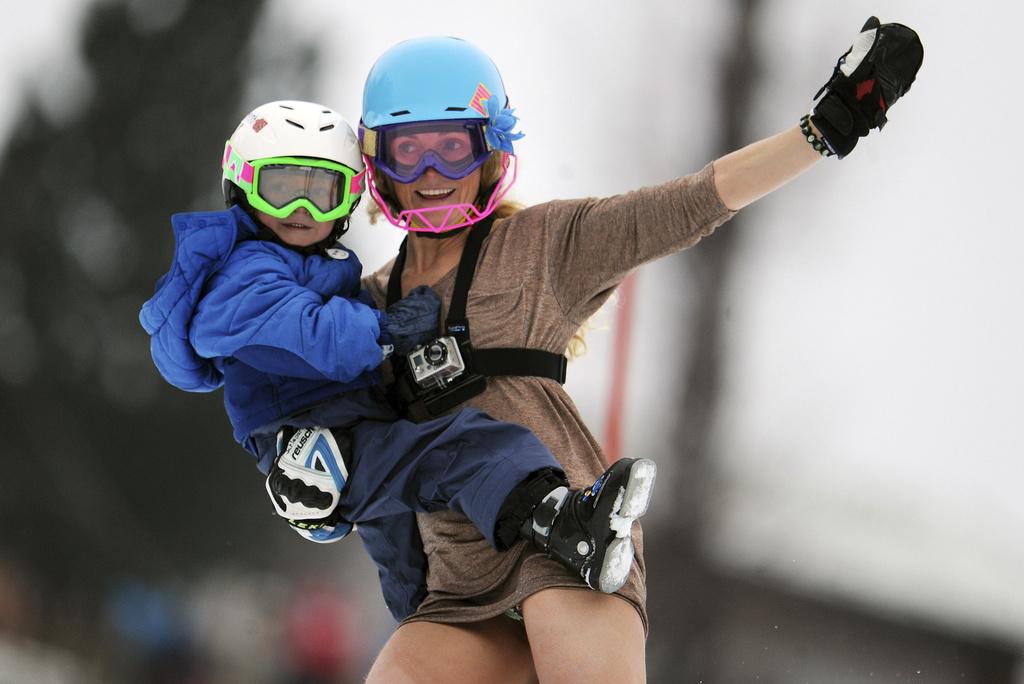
(278, 329)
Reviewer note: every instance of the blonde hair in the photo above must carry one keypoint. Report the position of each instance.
(490, 176)
(578, 344)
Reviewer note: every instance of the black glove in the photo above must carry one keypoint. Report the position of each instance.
(867, 80)
(413, 320)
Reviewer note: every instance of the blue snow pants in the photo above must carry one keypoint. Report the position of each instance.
(466, 461)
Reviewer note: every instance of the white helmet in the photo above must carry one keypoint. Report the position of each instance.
(289, 129)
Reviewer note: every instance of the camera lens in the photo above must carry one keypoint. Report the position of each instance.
(435, 353)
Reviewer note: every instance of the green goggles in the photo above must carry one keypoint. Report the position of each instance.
(279, 185)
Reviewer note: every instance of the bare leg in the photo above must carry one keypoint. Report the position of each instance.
(495, 651)
(578, 635)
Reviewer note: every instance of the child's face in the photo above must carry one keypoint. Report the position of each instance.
(298, 229)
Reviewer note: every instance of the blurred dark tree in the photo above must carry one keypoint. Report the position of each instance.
(106, 469)
(683, 569)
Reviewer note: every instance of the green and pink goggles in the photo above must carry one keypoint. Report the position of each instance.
(279, 185)
(404, 151)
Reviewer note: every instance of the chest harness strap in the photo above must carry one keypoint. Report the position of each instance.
(481, 362)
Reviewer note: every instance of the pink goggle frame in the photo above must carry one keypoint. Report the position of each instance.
(416, 220)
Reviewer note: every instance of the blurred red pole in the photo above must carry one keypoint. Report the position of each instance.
(620, 361)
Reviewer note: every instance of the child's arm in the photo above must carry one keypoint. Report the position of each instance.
(255, 311)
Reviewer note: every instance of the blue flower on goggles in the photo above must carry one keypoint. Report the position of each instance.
(500, 123)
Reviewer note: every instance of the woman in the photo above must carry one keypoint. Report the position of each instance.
(437, 135)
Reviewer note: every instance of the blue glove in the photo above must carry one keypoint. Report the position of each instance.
(413, 320)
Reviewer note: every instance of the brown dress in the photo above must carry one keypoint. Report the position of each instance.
(542, 273)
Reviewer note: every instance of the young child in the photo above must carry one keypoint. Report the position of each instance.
(263, 299)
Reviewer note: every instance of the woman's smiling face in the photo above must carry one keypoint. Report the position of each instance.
(432, 190)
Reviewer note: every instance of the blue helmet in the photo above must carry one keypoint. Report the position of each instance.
(431, 79)
(414, 90)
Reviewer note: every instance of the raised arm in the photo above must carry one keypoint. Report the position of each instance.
(592, 244)
(754, 171)
(868, 79)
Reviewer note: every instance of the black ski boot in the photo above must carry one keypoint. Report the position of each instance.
(589, 530)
